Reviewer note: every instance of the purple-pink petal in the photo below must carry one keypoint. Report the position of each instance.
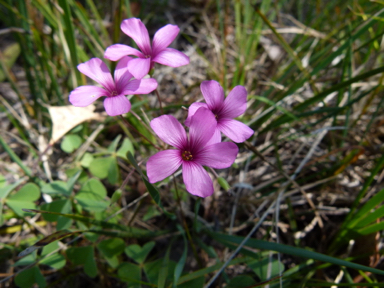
(235, 130)
(122, 75)
(117, 51)
(164, 37)
(170, 131)
(117, 105)
(213, 94)
(203, 125)
(218, 156)
(139, 67)
(135, 29)
(84, 95)
(192, 110)
(143, 86)
(235, 104)
(163, 164)
(171, 57)
(196, 179)
(96, 69)
(216, 138)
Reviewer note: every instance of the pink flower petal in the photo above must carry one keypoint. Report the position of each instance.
(216, 138)
(218, 156)
(118, 51)
(143, 86)
(117, 105)
(163, 164)
(122, 75)
(192, 110)
(163, 38)
(170, 131)
(96, 69)
(235, 104)
(197, 180)
(235, 130)
(139, 67)
(135, 29)
(202, 128)
(84, 95)
(213, 94)
(171, 57)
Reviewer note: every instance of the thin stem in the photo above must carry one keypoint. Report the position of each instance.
(137, 131)
(158, 98)
(186, 226)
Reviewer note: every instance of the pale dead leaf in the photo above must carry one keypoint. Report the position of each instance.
(64, 118)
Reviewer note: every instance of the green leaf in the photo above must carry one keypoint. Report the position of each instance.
(163, 272)
(137, 253)
(48, 240)
(110, 249)
(61, 206)
(5, 190)
(10, 55)
(180, 265)
(56, 261)
(2, 182)
(151, 212)
(113, 171)
(101, 224)
(24, 198)
(30, 276)
(116, 196)
(125, 147)
(112, 147)
(299, 252)
(92, 196)
(241, 281)
(262, 267)
(56, 187)
(194, 283)
(152, 270)
(130, 273)
(151, 189)
(29, 259)
(99, 167)
(223, 183)
(202, 272)
(86, 160)
(70, 143)
(83, 256)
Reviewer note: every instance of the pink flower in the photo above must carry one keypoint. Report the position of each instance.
(224, 109)
(158, 52)
(192, 154)
(115, 89)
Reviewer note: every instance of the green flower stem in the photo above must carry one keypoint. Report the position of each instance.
(132, 127)
(186, 226)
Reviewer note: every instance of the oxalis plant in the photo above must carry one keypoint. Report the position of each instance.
(208, 139)
(206, 121)
(197, 148)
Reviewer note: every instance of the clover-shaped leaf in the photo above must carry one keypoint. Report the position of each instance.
(24, 199)
(138, 253)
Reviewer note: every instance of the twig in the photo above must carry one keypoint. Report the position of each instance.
(289, 178)
(158, 98)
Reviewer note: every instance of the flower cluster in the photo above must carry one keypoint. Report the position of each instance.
(203, 145)
(115, 89)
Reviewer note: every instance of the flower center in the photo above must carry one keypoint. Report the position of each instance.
(114, 93)
(147, 56)
(187, 156)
